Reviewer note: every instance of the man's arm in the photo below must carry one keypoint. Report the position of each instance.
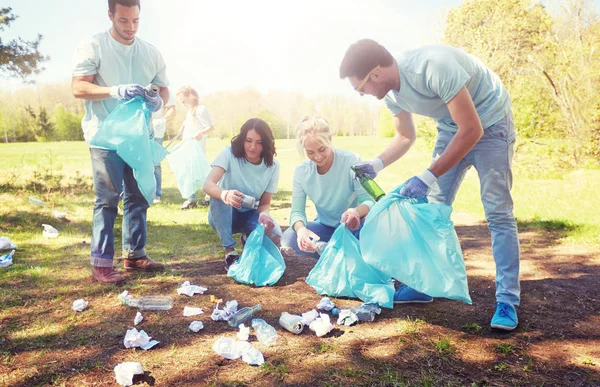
(83, 88)
(164, 93)
(169, 112)
(463, 113)
(402, 141)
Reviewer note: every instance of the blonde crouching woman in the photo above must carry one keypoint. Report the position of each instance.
(325, 178)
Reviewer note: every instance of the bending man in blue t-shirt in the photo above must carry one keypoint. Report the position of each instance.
(475, 128)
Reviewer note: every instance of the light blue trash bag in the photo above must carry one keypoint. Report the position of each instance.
(415, 242)
(125, 130)
(190, 167)
(261, 262)
(342, 272)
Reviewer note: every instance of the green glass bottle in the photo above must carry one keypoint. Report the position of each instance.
(369, 184)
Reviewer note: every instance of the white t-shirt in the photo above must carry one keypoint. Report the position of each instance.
(159, 123)
(195, 123)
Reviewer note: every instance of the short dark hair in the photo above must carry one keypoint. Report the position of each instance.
(362, 57)
(266, 135)
(112, 4)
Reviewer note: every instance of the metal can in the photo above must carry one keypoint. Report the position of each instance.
(249, 202)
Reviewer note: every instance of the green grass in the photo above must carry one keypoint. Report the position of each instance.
(472, 328)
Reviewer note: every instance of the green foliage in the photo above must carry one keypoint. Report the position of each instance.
(18, 58)
(472, 328)
(68, 124)
(444, 346)
(385, 128)
(505, 348)
(40, 124)
(278, 127)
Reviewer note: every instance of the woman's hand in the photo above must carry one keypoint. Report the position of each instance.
(198, 137)
(352, 218)
(304, 240)
(268, 221)
(232, 197)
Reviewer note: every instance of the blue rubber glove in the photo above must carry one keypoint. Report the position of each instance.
(153, 103)
(127, 92)
(371, 167)
(418, 187)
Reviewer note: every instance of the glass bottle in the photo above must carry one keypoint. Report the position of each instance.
(242, 315)
(369, 184)
(151, 302)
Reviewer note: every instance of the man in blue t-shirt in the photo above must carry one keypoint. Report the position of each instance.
(475, 128)
(108, 69)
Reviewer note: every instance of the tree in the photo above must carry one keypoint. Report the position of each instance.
(68, 124)
(18, 58)
(40, 124)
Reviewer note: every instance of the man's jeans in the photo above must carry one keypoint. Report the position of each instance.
(111, 178)
(492, 159)
(290, 237)
(227, 221)
(158, 171)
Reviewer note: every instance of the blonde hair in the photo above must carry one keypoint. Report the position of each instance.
(316, 127)
(190, 95)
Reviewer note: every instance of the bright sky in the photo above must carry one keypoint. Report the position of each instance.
(229, 45)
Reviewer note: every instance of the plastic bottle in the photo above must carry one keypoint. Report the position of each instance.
(369, 184)
(265, 333)
(320, 246)
(36, 201)
(249, 202)
(151, 302)
(152, 90)
(235, 319)
(291, 322)
(367, 312)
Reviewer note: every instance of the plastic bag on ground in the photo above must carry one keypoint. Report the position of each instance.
(342, 272)
(124, 372)
(79, 305)
(415, 242)
(190, 167)
(6, 244)
(7, 259)
(261, 262)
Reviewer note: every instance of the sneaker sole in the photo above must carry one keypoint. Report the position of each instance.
(502, 327)
(413, 302)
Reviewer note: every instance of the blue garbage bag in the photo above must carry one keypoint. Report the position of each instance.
(342, 272)
(261, 262)
(189, 166)
(125, 131)
(415, 242)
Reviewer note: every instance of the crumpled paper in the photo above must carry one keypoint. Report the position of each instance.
(231, 307)
(347, 317)
(134, 338)
(223, 314)
(244, 333)
(79, 305)
(58, 214)
(138, 318)
(6, 244)
(325, 304)
(309, 317)
(124, 372)
(189, 289)
(322, 325)
(231, 349)
(192, 311)
(49, 231)
(195, 326)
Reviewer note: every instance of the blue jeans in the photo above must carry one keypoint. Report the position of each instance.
(158, 171)
(111, 178)
(290, 238)
(226, 221)
(492, 159)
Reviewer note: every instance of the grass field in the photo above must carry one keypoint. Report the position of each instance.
(43, 342)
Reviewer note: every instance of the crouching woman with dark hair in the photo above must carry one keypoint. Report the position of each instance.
(244, 171)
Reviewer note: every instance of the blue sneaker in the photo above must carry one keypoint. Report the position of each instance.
(405, 294)
(505, 317)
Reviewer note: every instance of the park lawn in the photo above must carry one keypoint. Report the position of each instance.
(43, 342)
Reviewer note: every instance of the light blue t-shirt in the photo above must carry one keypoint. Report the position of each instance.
(250, 179)
(332, 193)
(432, 75)
(115, 64)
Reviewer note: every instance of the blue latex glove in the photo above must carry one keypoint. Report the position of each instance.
(153, 103)
(418, 187)
(371, 167)
(127, 92)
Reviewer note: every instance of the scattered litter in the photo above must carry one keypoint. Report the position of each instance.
(138, 318)
(244, 333)
(191, 311)
(37, 202)
(7, 259)
(218, 314)
(49, 231)
(195, 326)
(235, 319)
(291, 322)
(146, 302)
(59, 215)
(79, 305)
(325, 304)
(6, 244)
(124, 372)
(335, 311)
(265, 333)
(347, 317)
(189, 289)
(309, 317)
(231, 349)
(231, 307)
(215, 300)
(134, 338)
(367, 312)
(322, 325)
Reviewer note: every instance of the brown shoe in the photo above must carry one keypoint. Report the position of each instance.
(143, 263)
(107, 275)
